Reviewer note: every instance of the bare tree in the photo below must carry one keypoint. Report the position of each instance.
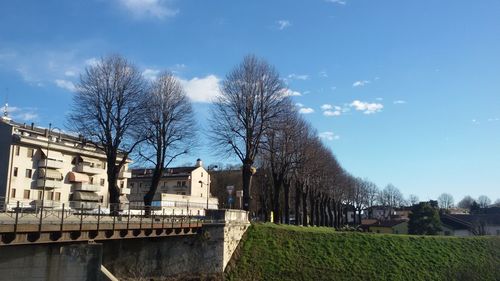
(445, 201)
(413, 199)
(251, 98)
(483, 201)
(108, 109)
(466, 202)
(391, 196)
(170, 128)
(497, 202)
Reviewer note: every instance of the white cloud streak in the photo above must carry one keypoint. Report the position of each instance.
(203, 89)
(65, 84)
(306, 110)
(330, 136)
(158, 9)
(366, 107)
(399, 102)
(282, 24)
(360, 83)
(298, 76)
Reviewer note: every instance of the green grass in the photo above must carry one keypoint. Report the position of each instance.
(271, 252)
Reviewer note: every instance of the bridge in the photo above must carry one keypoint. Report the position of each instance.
(68, 244)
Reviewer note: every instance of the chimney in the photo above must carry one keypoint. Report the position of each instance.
(32, 125)
(199, 163)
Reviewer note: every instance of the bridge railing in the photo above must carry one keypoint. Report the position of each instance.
(25, 217)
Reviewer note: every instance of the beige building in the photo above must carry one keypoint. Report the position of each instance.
(182, 190)
(38, 163)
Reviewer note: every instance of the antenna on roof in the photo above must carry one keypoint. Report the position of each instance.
(5, 116)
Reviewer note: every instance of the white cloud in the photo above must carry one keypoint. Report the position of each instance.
(326, 107)
(299, 104)
(331, 110)
(291, 93)
(298, 76)
(203, 89)
(282, 24)
(158, 9)
(329, 136)
(380, 99)
(493, 119)
(360, 83)
(367, 108)
(20, 114)
(399, 102)
(150, 74)
(338, 2)
(306, 110)
(65, 84)
(323, 74)
(91, 61)
(70, 73)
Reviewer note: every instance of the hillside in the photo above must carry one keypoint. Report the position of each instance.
(272, 252)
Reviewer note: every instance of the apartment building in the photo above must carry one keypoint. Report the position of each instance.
(38, 164)
(182, 190)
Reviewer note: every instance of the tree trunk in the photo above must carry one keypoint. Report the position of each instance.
(276, 196)
(304, 208)
(297, 203)
(331, 212)
(312, 208)
(286, 187)
(247, 182)
(114, 191)
(149, 196)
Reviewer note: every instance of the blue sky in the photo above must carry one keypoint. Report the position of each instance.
(404, 92)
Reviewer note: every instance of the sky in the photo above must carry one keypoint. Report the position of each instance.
(403, 92)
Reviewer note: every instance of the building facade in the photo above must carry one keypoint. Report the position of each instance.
(39, 165)
(181, 190)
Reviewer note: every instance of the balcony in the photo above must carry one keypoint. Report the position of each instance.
(82, 186)
(46, 203)
(48, 183)
(83, 205)
(49, 163)
(125, 174)
(80, 168)
(124, 190)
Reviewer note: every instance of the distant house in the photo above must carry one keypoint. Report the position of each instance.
(380, 212)
(468, 225)
(402, 213)
(389, 226)
(181, 190)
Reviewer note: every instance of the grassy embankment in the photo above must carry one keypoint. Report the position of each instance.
(272, 252)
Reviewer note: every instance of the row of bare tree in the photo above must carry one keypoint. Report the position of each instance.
(123, 113)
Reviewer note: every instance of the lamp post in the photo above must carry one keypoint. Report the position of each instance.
(208, 184)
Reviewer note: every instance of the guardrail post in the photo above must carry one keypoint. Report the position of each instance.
(62, 218)
(173, 217)
(140, 220)
(163, 219)
(98, 218)
(128, 217)
(17, 218)
(81, 217)
(152, 218)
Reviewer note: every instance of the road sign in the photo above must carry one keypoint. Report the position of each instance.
(230, 189)
(239, 193)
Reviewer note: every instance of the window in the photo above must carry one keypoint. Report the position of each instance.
(102, 182)
(121, 184)
(184, 183)
(101, 198)
(26, 194)
(103, 165)
(140, 184)
(15, 171)
(183, 193)
(201, 174)
(178, 183)
(13, 193)
(29, 173)
(40, 195)
(58, 196)
(131, 185)
(91, 179)
(31, 152)
(50, 195)
(17, 150)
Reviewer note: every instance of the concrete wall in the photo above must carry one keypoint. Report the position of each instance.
(51, 262)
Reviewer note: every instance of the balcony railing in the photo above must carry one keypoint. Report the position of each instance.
(48, 183)
(83, 205)
(125, 174)
(124, 190)
(81, 186)
(88, 169)
(49, 163)
(46, 203)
